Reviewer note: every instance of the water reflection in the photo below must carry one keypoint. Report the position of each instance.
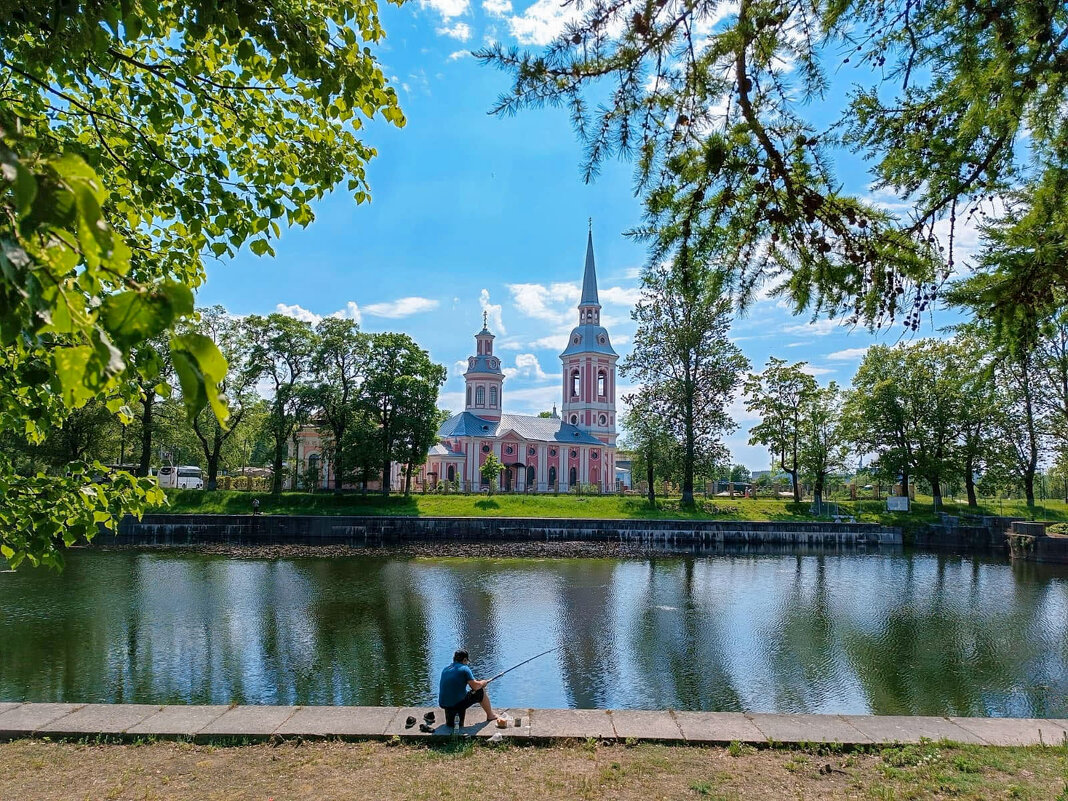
(907, 633)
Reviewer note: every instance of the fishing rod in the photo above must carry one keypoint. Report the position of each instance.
(513, 667)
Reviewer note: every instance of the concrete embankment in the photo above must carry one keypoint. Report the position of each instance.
(171, 529)
(221, 723)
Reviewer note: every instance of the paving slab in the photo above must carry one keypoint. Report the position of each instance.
(718, 727)
(248, 721)
(1015, 731)
(338, 721)
(645, 725)
(577, 723)
(910, 729)
(26, 719)
(100, 719)
(178, 720)
(809, 729)
(7, 706)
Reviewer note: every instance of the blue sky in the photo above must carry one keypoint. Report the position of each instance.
(472, 213)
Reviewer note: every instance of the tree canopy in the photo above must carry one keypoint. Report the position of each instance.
(136, 137)
(954, 103)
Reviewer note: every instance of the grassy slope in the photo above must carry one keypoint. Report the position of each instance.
(167, 771)
(606, 507)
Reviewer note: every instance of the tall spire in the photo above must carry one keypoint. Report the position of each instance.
(589, 278)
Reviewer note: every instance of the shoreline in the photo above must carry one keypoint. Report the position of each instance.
(201, 723)
(456, 549)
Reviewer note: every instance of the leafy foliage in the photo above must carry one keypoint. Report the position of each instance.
(683, 356)
(135, 136)
(714, 103)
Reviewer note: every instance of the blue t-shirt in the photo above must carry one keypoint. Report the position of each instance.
(453, 686)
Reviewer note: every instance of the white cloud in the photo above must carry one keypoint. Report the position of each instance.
(509, 344)
(459, 367)
(818, 328)
(457, 55)
(447, 8)
(536, 300)
(542, 22)
(527, 366)
(620, 296)
(497, 8)
(402, 307)
(555, 342)
(847, 355)
(816, 371)
(350, 312)
(461, 31)
(493, 310)
(298, 312)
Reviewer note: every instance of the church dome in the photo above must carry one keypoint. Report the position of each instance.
(589, 339)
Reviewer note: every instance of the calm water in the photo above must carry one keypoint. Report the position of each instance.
(882, 633)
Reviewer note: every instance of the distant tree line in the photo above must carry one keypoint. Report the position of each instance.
(372, 396)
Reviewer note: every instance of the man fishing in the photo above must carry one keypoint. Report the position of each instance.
(455, 697)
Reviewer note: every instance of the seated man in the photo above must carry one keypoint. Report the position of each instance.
(453, 694)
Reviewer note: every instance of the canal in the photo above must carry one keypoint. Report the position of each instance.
(883, 632)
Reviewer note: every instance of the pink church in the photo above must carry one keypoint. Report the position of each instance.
(576, 446)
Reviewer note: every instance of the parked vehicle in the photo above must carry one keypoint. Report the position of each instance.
(182, 477)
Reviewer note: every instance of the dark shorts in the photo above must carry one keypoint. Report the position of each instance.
(473, 697)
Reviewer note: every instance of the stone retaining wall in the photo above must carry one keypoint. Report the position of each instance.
(1029, 542)
(164, 529)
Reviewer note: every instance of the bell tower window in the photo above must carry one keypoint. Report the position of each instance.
(480, 396)
(574, 383)
(602, 384)
(493, 397)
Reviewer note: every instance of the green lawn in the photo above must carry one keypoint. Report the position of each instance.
(590, 506)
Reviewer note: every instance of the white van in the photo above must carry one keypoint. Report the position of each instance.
(183, 477)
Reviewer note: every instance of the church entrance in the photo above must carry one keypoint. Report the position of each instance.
(507, 479)
(574, 477)
(452, 473)
(552, 478)
(532, 476)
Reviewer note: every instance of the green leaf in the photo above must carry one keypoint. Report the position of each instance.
(201, 370)
(70, 366)
(132, 317)
(23, 183)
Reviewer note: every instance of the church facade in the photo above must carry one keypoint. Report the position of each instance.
(576, 446)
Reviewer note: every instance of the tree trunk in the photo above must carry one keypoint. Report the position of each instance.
(279, 453)
(905, 483)
(969, 482)
(936, 493)
(817, 492)
(146, 432)
(793, 476)
(688, 455)
(408, 479)
(649, 474)
(213, 462)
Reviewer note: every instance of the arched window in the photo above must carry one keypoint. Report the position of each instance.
(602, 384)
(574, 477)
(552, 476)
(493, 397)
(480, 396)
(469, 396)
(452, 473)
(574, 419)
(532, 476)
(574, 383)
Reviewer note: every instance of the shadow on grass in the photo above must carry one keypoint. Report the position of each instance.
(487, 504)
